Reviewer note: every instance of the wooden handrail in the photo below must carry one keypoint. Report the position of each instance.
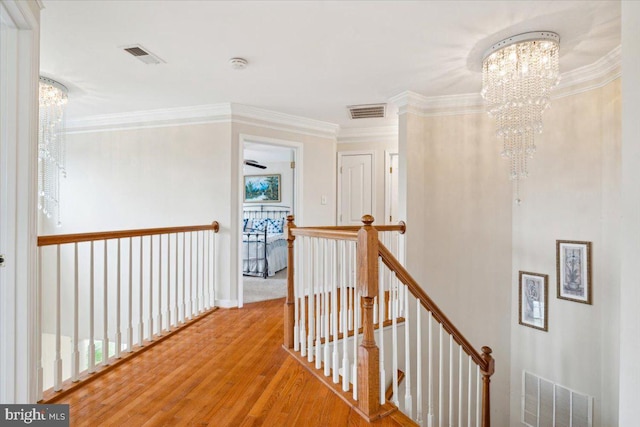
(61, 239)
(401, 227)
(326, 233)
(404, 276)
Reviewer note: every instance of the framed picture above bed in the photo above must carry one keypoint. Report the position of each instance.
(262, 188)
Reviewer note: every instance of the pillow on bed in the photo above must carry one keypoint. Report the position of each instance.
(275, 226)
(260, 224)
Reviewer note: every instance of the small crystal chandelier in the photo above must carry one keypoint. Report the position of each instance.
(518, 74)
(51, 147)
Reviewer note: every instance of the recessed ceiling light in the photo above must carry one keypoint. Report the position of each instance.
(238, 63)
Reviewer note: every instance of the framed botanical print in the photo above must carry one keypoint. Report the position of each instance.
(533, 297)
(573, 265)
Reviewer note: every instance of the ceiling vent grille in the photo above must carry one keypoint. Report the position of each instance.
(368, 111)
(143, 54)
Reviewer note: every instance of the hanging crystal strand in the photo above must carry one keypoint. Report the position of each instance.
(51, 147)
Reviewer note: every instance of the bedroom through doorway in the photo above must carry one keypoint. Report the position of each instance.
(269, 196)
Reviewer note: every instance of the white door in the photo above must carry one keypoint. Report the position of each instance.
(391, 189)
(355, 187)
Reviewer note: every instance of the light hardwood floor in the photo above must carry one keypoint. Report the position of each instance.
(229, 369)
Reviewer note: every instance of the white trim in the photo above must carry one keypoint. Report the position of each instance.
(374, 186)
(380, 134)
(18, 350)
(226, 303)
(236, 234)
(213, 113)
(592, 76)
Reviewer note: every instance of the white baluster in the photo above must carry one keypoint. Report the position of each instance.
(469, 388)
(450, 381)
(130, 301)
(350, 294)
(141, 299)
(184, 278)
(312, 302)
(150, 320)
(440, 379)
(92, 345)
(296, 294)
(105, 311)
(419, 362)
(430, 414)
(334, 311)
(75, 356)
(168, 311)
(176, 312)
(207, 297)
(191, 299)
(326, 278)
(344, 311)
(317, 293)
(408, 401)
(57, 367)
(304, 300)
(212, 260)
(39, 367)
(356, 326)
(159, 314)
(197, 307)
(118, 284)
(394, 360)
(460, 387)
(381, 310)
(478, 396)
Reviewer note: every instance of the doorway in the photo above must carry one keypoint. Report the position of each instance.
(262, 235)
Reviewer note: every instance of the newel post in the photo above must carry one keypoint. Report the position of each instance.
(487, 371)
(368, 352)
(289, 306)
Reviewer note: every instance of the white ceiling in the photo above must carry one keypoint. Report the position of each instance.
(306, 58)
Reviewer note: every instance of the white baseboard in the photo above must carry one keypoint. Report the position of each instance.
(227, 303)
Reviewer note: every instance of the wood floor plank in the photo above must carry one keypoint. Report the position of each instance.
(229, 369)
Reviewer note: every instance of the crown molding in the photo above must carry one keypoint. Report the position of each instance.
(213, 113)
(592, 76)
(378, 134)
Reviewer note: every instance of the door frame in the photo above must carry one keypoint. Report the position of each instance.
(19, 299)
(374, 186)
(236, 233)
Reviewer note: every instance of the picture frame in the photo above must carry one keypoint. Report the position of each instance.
(262, 188)
(533, 307)
(573, 268)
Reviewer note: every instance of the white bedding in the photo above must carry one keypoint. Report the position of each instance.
(253, 253)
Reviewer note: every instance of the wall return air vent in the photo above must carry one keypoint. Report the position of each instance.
(367, 111)
(143, 54)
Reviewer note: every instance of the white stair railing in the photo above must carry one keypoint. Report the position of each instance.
(102, 284)
(344, 284)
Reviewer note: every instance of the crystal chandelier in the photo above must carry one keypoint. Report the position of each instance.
(51, 147)
(518, 74)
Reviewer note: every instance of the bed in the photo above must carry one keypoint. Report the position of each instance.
(264, 241)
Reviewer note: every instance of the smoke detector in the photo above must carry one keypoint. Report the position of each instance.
(238, 63)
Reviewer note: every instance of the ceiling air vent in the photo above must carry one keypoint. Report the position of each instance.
(367, 111)
(142, 54)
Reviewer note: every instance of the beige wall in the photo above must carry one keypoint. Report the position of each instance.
(458, 242)
(573, 194)
(180, 175)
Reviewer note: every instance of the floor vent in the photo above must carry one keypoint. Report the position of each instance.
(547, 404)
(142, 54)
(368, 111)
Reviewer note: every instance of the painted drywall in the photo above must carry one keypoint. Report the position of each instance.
(380, 149)
(630, 202)
(456, 199)
(572, 193)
